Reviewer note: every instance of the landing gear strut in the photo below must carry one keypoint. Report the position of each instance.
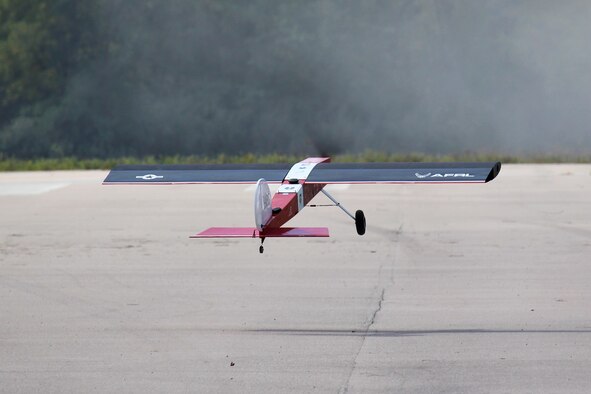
(261, 248)
(359, 215)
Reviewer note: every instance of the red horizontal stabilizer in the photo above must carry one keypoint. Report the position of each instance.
(251, 232)
(295, 232)
(228, 232)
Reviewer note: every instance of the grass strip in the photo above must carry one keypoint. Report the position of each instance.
(73, 163)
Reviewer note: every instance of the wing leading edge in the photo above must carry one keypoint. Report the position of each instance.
(404, 172)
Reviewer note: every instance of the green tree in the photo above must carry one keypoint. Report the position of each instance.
(42, 44)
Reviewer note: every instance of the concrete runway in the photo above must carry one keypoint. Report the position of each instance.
(455, 289)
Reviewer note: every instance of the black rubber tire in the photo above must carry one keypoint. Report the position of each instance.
(360, 222)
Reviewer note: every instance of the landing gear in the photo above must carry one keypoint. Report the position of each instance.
(359, 215)
(360, 222)
(261, 248)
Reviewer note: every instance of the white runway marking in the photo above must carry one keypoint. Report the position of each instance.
(29, 189)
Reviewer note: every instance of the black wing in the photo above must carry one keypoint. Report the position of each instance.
(322, 173)
(404, 172)
(202, 173)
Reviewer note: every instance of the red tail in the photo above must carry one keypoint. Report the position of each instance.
(251, 232)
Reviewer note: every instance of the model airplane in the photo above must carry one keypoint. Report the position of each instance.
(299, 183)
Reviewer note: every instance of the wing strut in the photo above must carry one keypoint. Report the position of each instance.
(337, 204)
(359, 217)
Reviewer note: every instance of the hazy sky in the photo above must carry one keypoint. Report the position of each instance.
(422, 75)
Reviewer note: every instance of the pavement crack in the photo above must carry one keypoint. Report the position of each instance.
(377, 310)
(383, 283)
(345, 388)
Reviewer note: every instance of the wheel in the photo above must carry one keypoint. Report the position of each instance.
(261, 249)
(360, 222)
